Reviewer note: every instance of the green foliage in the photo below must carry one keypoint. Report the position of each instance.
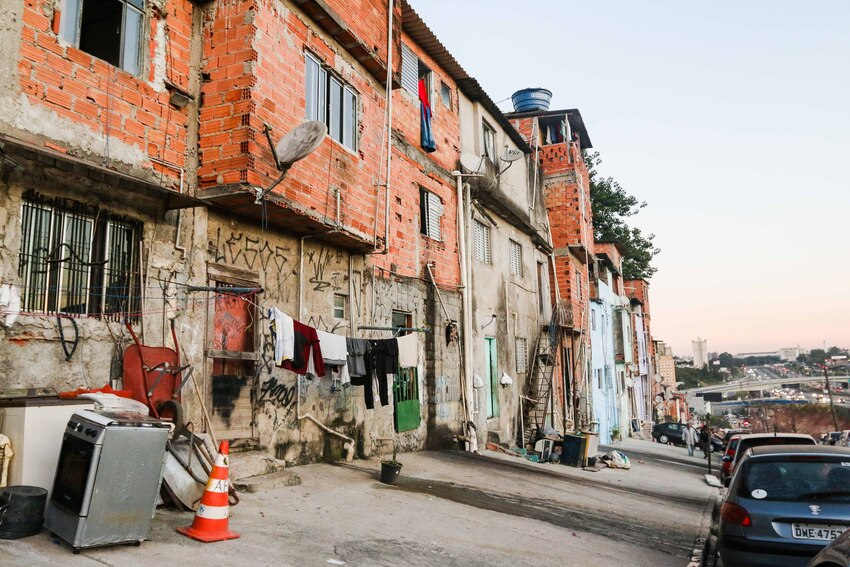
(611, 206)
(720, 421)
(694, 377)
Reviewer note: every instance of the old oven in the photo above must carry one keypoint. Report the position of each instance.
(107, 479)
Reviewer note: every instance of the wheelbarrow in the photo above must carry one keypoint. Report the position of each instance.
(155, 377)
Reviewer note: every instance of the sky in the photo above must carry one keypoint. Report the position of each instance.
(730, 119)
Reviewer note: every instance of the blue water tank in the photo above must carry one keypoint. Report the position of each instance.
(528, 100)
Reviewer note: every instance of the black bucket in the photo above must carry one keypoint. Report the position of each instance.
(21, 511)
(390, 472)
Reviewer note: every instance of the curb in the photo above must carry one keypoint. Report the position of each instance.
(703, 545)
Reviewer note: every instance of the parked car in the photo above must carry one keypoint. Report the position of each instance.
(731, 433)
(784, 505)
(836, 554)
(844, 438)
(761, 439)
(669, 433)
(726, 460)
(833, 437)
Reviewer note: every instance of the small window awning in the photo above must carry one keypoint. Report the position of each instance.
(280, 212)
(52, 164)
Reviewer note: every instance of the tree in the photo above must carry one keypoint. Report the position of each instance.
(727, 361)
(611, 205)
(817, 355)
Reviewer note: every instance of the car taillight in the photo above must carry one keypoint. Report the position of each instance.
(735, 514)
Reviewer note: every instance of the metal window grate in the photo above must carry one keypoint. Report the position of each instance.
(77, 260)
(431, 212)
(482, 242)
(515, 257)
(521, 347)
(409, 70)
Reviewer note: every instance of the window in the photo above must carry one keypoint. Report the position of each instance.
(521, 347)
(430, 213)
(516, 257)
(111, 31)
(76, 259)
(446, 94)
(330, 101)
(593, 320)
(482, 242)
(409, 70)
(489, 140)
(416, 79)
(340, 306)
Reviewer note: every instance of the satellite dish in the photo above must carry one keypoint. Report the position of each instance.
(300, 142)
(624, 300)
(512, 155)
(471, 163)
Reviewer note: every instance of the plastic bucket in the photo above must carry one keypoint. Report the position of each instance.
(390, 472)
(21, 511)
(531, 99)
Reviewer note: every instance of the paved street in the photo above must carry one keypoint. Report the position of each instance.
(450, 508)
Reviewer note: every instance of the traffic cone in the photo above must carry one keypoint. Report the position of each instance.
(211, 518)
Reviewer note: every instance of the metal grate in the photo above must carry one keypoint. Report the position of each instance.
(515, 257)
(521, 347)
(77, 260)
(482, 242)
(431, 211)
(409, 70)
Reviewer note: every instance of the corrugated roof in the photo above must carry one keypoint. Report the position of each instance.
(415, 27)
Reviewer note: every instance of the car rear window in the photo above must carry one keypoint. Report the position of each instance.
(799, 478)
(762, 441)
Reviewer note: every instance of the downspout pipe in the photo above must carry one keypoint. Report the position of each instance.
(466, 303)
(391, 7)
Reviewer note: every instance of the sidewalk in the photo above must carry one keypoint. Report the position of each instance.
(449, 509)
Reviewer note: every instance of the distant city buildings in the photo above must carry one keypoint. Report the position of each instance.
(700, 348)
(784, 354)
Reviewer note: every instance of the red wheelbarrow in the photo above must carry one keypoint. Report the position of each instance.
(154, 377)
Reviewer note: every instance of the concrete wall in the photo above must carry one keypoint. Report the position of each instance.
(606, 401)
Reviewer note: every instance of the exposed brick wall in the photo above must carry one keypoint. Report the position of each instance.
(89, 91)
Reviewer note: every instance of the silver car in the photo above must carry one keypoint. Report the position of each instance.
(785, 504)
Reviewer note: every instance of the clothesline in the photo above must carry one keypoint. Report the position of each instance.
(305, 350)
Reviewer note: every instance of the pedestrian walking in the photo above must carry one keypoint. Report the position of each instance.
(690, 438)
(705, 440)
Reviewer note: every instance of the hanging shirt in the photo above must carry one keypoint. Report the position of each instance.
(335, 353)
(408, 351)
(283, 335)
(426, 137)
(385, 361)
(307, 358)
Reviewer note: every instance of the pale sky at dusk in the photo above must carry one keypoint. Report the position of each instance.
(731, 119)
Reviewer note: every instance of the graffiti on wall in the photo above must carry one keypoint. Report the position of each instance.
(255, 253)
(322, 276)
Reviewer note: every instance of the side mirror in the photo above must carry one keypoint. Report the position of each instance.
(726, 459)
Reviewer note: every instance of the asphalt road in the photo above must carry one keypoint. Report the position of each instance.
(449, 509)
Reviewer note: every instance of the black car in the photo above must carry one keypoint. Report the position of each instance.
(669, 433)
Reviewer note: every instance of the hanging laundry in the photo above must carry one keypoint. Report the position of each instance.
(335, 354)
(10, 303)
(360, 367)
(283, 335)
(426, 137)
(385, 360)
(408, 351)
(307, 356)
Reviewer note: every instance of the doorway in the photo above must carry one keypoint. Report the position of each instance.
(492, 364)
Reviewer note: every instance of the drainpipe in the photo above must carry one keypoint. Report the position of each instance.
(391, 5)
(462, 237)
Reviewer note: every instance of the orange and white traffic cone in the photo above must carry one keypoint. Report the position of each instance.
(211, 519)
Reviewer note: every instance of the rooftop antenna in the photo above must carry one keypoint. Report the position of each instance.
(300, 142)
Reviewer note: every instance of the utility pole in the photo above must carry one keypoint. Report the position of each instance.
(708, 441)
(829, 392)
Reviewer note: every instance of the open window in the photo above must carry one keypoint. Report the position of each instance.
(488, 140)
(416, 78)
(430, 214)
(329, 100)
(111, 30)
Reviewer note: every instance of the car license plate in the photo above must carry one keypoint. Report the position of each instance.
(823, 532)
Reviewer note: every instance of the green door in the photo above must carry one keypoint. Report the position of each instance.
(492, 377)
(405, 385)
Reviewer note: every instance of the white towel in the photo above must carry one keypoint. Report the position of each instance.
(408, 351)
(10, 303)
(335, 352)
(284, 336)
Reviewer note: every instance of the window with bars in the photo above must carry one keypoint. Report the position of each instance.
(482, 241)
(75, 259)
(430, 213)
(515, 257)
(112, 31)
(521, 347)
(330, 101)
